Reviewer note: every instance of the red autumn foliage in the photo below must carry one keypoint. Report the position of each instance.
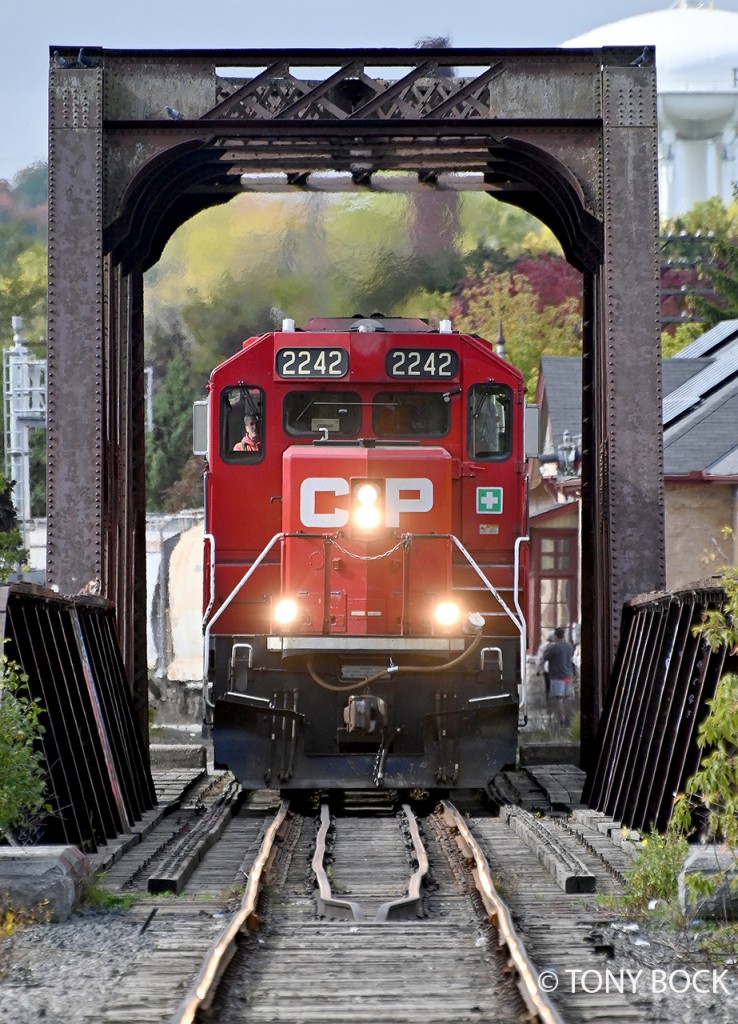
(552, 279)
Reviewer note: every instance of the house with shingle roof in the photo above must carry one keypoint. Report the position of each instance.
(700, 418)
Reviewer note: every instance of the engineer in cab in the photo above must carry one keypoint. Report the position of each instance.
(251, 440)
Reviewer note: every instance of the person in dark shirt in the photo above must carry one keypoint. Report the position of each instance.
(558, 655)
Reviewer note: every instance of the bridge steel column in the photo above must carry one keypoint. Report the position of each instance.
(76, 482)
(95, 473)
(622, 486)
(569, 135)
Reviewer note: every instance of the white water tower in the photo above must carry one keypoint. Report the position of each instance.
(697, 85)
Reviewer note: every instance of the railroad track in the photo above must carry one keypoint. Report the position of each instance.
(371, 915)
(385, 932)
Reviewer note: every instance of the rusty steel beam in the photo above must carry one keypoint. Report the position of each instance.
(569, 135)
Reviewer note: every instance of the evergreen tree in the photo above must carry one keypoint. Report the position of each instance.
(722, 275)
(30, 187)
(12, 553)
(170, 443)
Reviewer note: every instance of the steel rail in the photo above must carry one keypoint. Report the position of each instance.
(537, 1001)
(410, 904)
(220, 953)
(328, 905)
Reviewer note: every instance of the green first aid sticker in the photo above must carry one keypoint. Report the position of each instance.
(489, 500)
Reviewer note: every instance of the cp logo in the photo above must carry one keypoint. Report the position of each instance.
(402, 494)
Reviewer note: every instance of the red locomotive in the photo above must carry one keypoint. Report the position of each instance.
(365, 557)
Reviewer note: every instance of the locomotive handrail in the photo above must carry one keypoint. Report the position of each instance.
(517, 620)
(206, 641)
(488, 584)
(523, 632)
(210, 540)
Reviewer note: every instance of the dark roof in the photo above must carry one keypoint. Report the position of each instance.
(563, 394)
(713, 375)
(563, 387)
(706, 438)
(675, 372)
(700, 388)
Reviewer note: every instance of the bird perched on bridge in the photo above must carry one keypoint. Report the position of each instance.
(641, 59)
(174, 114)
(62, 62)
(84, 61)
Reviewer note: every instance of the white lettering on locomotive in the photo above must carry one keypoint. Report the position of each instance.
(315, 485)
(402, 494)
(407, 494)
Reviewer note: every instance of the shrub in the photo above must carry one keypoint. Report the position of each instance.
(22, 776)
(713, 789)
(656, 867)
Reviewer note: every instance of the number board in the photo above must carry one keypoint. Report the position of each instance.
(312, 362)
(422, 362)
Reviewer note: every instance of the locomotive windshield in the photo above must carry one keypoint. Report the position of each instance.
(489, 434)
(312, 413)
(408, 414)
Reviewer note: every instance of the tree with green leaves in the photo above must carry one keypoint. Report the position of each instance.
(23, 781)
(531, 328)
(13, 555)
(23, 263)
(722, 275)
(700, 245)
(169, 446)
(712, 791)
(30, 187)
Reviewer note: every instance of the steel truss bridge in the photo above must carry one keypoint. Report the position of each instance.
(568, 135)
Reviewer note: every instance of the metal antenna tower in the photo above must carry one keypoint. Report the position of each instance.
(24, 408)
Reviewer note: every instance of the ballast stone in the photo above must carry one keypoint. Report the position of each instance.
(47, 879)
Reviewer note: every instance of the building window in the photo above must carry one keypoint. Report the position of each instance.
(556, 554)
(554, 593)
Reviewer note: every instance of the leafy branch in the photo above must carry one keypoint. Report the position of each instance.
(23, 780)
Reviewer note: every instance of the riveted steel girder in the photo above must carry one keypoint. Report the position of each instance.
(139, 141)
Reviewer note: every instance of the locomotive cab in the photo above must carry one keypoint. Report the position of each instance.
(365, 557)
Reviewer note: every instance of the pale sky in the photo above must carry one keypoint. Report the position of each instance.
(30, 27)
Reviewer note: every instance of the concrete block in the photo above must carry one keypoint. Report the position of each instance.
(177, 755)
(718, 865)
(50, 878)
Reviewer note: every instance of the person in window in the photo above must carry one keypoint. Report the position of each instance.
(251, 441)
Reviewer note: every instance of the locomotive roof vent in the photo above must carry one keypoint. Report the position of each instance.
(445, 327)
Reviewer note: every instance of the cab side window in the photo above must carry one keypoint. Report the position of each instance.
(489, 421)
(242, 423)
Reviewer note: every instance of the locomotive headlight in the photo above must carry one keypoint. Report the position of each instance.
(367, 506)
(447, 613)
(367, 494)
(285, 611)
